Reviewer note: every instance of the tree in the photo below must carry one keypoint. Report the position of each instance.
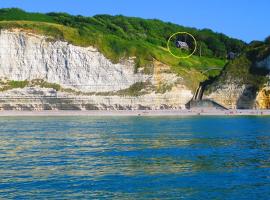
(217, 47)
(267, 40)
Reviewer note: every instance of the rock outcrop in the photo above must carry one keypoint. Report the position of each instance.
(234, 96)
(263, 98)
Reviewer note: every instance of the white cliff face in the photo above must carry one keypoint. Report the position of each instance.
(36, 98)
(25, 56)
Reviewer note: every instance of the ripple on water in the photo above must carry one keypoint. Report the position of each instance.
(135, 158)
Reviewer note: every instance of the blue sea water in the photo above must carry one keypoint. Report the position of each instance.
(135, 158)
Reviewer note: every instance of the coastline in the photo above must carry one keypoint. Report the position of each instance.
(62, 113)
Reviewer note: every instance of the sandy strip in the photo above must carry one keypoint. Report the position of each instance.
(137, 113)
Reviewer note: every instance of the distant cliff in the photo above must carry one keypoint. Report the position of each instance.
(244, 82)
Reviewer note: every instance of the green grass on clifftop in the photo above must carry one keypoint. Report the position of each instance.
(120, 37)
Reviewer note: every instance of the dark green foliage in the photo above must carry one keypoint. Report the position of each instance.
(18, 14)
(152, 31)
(203, 50)
(217, 47)
(267, 40)
(255, 44)
(258, 50)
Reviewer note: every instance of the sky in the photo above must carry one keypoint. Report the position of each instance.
(243, 19)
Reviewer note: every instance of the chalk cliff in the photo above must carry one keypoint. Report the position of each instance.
(54, 74)
(24, 56)
(89, 80)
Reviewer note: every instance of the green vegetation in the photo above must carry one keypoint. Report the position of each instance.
(11, 84)
(118, 37)
(7, 85)
(44, 84)
(258, 50)
(134, 90)
(243, 70)
(267, 40)
(164, 88)
(15, 14)
(18, 84)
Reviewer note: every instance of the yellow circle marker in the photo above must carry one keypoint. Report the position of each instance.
(182, 57)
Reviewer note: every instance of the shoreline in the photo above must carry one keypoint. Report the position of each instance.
(150, 113)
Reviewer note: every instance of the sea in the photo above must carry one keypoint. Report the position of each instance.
(195, 157)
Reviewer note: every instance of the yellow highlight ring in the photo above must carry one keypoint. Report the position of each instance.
(182, 57)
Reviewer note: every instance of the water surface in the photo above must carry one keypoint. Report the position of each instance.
(135, 158)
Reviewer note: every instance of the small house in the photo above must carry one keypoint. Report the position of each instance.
(181, 45)
(231, 56)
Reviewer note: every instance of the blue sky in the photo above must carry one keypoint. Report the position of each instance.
(243, 19)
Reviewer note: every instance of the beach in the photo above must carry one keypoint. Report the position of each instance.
(211, 112)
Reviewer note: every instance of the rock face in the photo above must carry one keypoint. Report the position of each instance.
(234, 96)
(36, 98)
(242, 84)
(263, 98)
(24, 56)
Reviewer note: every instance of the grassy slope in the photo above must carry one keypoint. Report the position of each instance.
(118, 37)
